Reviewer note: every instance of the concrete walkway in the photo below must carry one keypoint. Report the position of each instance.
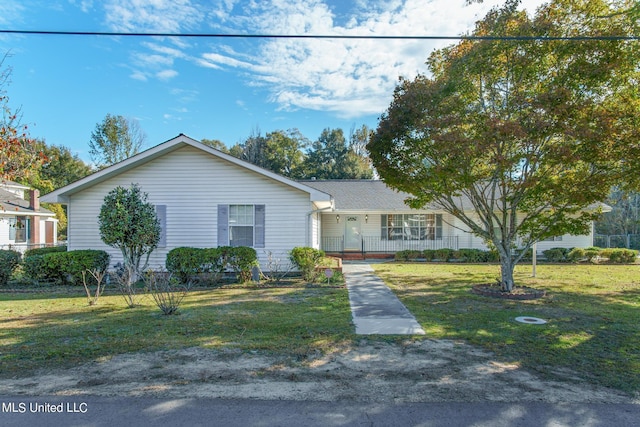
(375, 309)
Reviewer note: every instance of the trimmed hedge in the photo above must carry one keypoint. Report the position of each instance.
(64, 267)
(192, 263)
(556, 254)
(241, 259)
(9, 260)
(619, 256)
(593, 254)
(472, 255)
(407, 255)
(446, 255)
(45, 250)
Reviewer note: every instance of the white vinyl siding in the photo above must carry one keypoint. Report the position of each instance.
(192, 184)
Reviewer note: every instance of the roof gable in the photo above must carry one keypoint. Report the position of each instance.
(61, 195)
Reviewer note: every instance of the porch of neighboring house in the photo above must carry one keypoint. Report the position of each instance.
(24, 224)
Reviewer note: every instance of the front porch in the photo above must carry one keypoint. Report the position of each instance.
(377, 247)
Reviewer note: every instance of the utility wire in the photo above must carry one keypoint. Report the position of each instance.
(318, 36)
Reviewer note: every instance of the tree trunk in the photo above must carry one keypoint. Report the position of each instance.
(506, 272)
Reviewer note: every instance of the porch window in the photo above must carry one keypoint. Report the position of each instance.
(411, 227)
(19, 229)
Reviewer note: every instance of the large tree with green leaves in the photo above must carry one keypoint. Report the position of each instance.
(56, 168)
(332, 157)
(520, 134)
(129, 223)
(115, 139)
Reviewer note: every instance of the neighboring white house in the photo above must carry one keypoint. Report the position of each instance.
(23, 223)
(206, 198)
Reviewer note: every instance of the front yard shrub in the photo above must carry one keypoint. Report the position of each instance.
(191, 264)
(471, 255)
(166, 290)
(215, 262)
(429, 254)
(45, 250)
(306, 259)
(556, 254)
(63, 267)
(443, 254)
(407, 255)
(97, 277)
(619, 256)
(47, 268)
(576, 255)
(9, 260)
(79, 261)
(592, 253)
(241, 259)
(33, 268)
(184, 262)
(276, 268)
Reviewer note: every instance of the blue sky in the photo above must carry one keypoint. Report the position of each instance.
(211, 87)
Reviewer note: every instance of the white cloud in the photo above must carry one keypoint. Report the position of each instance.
(11, 14)
(138, 75)
(85, 5)
(166, 16)
(349, 77)
(166, 74)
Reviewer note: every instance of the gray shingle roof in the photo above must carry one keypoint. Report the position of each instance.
(10, 203)
(374, 195)
(361, 194)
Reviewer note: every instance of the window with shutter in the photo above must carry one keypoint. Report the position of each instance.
(241, 225)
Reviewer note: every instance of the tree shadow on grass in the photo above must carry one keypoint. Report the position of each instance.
(591, 335)
(75, 333)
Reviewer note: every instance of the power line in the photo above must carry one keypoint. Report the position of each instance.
(318, 36)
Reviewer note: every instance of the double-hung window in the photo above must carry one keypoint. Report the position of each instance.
(241, 225)
(241, 222)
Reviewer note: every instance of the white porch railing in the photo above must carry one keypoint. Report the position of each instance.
(375, 244)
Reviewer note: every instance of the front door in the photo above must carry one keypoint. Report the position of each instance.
(352, 237)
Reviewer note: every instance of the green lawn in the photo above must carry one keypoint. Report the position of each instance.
(49, 330)
(593, 314)
(592, 311)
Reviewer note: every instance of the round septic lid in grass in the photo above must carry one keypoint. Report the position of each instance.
(531, 320)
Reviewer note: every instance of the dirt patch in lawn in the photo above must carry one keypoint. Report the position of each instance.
(411, 371)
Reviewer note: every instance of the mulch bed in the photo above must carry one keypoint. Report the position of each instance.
(518, 292)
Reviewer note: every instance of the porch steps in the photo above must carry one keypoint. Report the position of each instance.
(359, 256)
(351, 256)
